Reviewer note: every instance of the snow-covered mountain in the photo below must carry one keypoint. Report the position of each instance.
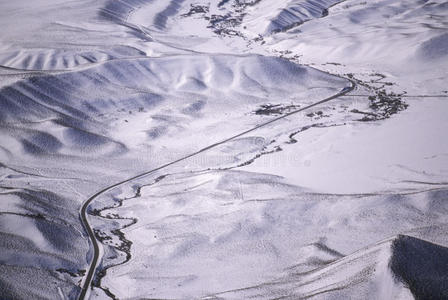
(232, 149)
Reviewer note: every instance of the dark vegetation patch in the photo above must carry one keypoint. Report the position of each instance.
(106, 238)
(76, 273)
(281, 109)
(223, 24)
(264, 151)
(196, 9)
(382, 104)
(275, 109)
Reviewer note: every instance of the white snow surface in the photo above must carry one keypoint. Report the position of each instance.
(344, 200)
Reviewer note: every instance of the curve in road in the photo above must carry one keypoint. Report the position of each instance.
(83, 213)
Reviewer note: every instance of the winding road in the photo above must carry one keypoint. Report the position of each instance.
(86, 284)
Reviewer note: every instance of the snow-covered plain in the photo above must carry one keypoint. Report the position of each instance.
(344, 200)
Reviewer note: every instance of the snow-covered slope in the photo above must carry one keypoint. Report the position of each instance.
(250, 197)
(256, 236)
(390, 269)
(151, 102)
(276, 16)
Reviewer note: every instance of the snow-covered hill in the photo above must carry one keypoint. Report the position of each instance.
(232, 149)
